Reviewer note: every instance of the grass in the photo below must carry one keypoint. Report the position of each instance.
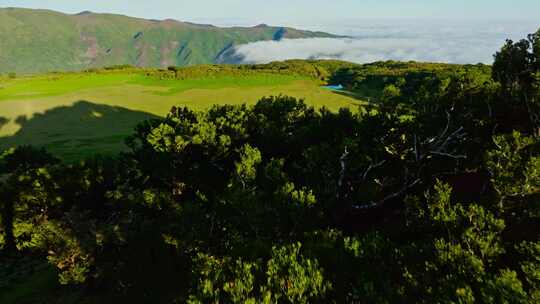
(176, 86)
(80, 114)
(59, 84)
(54, 85)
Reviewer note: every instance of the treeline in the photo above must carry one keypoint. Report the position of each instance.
(321, 70)
(407, 79)
(368, 79)
(432, 200)
(316, 69)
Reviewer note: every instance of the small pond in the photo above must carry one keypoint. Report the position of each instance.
(334, 87)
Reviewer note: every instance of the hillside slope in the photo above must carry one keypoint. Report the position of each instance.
(43, 40)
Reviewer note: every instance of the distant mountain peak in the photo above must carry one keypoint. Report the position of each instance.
(84, 13)
(199, 24)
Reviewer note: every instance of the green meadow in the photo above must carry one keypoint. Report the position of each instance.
(75, 115)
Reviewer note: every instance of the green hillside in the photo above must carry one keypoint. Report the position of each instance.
(43, 40)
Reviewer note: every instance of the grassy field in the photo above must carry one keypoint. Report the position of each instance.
(80, 114)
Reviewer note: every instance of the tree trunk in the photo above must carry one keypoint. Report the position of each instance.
(7, 225)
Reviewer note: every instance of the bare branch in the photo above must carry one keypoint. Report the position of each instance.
(380, 203)
(449, 155)
(343, 163)
(415, 147)
(447, 124)
(411, 176)
(371, 167)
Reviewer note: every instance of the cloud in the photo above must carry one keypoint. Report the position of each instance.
(362, 50)
(418, 42)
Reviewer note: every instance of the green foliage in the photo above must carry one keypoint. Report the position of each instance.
(505, 288)
(318, 70)
(292, 278)
(224, 280)
(288, 277)
(467, 247)
(24, 185)
(246, 168)
(514, 165)
(530, 268)
(390, 92)
(65, 252)
(428, 195)
(515, 68)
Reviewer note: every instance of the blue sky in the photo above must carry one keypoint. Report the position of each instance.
(296, 12)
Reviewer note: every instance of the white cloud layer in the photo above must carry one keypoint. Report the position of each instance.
(462, 43)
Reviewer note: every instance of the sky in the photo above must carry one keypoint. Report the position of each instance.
(454, 31)
(295, 12)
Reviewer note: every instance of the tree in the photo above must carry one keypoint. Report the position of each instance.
(286, 277)
(535, 40)
(20, 170)
(515, 67)
(461, 255)
(512, 66)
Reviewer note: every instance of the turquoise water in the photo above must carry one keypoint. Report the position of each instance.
(334, 87)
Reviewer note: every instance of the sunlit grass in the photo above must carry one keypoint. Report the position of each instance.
(47, 110)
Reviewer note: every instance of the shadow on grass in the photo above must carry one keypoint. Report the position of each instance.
(354, 95)
(3, 121)
(77, 131)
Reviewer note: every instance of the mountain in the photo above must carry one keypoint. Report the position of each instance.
(42, 40)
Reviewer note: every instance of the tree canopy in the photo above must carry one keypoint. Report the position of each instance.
(429, 194)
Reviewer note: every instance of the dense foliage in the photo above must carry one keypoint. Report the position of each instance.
(428, 195)
(323, 70)
(315, 69)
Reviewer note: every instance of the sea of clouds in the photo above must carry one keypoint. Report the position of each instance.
(434, 41)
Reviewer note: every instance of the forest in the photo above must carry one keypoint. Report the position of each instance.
(429, 193)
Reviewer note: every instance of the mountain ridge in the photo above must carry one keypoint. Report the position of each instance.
(38, 40)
